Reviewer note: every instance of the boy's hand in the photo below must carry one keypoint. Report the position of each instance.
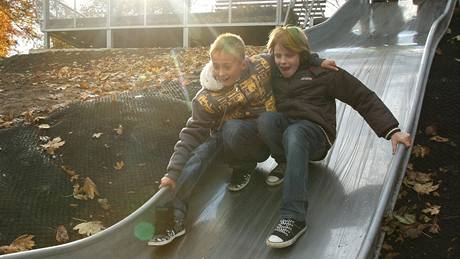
(329, 64)
(167, 182)
(400, 137)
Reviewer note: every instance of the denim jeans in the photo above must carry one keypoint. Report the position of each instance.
(199, 161)
(243, 147)
(295, 142)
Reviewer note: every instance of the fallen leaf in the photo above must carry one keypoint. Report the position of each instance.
(44, 126)
(420, 151)
(88, 191)
(431, 130)
(407, 219)
(439, 139)
(104, 203)
(434, 227)
(61, 234)
(97, 135)
(431, 209)
(89, 228)
(70, 172)
(425, 188)
(84, 85)
(119, 165)
(423, 177)
(415, 231)
(22, 243)
(119, 130)
(52, 145)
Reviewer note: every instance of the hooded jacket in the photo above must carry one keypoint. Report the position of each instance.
(214, 104)
(311, 92)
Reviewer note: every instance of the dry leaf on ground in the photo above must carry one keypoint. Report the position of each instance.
(432, 209)
(97, 135)
(70, 172)
(420, 151)
(119, 130)
(88, 191)
(22, 243)
(425, 188)
(415, 231)
(439, 139)
(104, 203)
(119, 165)
(44, 126)
(406, 219)
(61, 234)
(89, 228)
(52, 145)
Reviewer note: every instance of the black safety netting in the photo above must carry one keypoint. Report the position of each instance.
(36, 194)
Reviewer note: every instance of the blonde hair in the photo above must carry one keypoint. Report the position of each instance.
(291, 38)
(229, 43)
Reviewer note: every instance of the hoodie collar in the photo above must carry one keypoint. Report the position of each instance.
(208, 81)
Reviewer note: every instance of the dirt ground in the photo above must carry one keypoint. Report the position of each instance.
(425, 222)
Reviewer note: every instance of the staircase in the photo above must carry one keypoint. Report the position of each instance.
(309, 12)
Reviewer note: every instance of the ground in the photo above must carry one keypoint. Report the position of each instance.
(426, 219)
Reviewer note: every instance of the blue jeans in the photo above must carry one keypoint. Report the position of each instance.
(295, 142)
(243, 147)
(199, 161)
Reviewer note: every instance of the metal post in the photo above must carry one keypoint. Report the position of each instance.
(46, 14)
(109, 39)
(109, 13)
(75, 13)
(145, 12)
(230, 11)
(185, 28)
(47, 40)
(109, 36)
(279, 7)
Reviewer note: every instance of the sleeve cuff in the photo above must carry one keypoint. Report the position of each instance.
(172, 175)
(391, 132)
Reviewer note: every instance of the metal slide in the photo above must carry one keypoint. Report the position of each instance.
(388, 46)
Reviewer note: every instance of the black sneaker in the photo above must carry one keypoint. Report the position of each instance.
(165, 238)
(238, 181)
(276, 176)
(286, 233)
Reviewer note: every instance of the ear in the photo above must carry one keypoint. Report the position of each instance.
(244, 64)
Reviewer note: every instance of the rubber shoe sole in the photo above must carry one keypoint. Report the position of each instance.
(165, 242)
(286, 243)
(272, 180)
(239, 187)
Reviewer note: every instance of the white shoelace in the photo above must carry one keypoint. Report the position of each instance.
(285, 226)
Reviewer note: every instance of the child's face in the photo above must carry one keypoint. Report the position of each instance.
(227, 68)
(287, 60)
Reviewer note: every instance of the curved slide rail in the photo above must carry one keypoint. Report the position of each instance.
(388, 46)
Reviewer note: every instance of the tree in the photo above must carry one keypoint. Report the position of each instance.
(17, 19)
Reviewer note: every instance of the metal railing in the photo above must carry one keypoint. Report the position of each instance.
(91, 14)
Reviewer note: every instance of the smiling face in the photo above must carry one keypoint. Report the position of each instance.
(227, 68)
(287, 60)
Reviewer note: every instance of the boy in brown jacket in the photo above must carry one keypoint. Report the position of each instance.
(304, 126)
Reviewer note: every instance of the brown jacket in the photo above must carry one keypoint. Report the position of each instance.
(310, 94)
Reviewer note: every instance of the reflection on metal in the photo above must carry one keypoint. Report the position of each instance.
(349, 191)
